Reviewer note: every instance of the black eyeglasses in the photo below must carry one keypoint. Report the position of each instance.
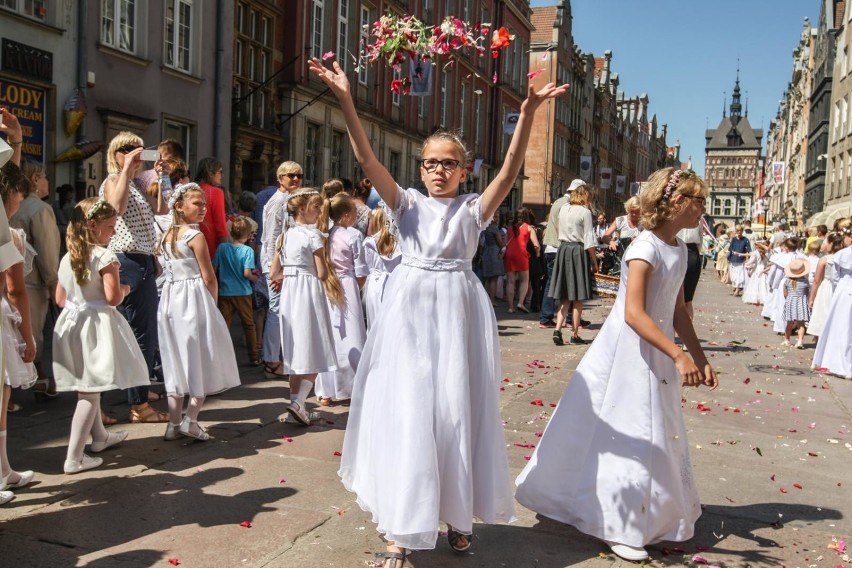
(431, 164)
(295, 176)
(127, 148)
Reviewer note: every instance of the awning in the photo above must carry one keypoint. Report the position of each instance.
(838, 212)
(817, 219)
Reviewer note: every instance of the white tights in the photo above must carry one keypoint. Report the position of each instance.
(192, 410)
(86, 420)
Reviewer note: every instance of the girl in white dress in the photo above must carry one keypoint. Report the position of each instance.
(614, 458)
(195, 344)
(382, 255)
(19, 347)
(834, 349)
(307, 340)
(424, 442)
(346, 251)
(756, 290)
(94, 349)
(824, 280)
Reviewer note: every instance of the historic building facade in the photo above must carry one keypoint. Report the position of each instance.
(731, 163)
(837, 201)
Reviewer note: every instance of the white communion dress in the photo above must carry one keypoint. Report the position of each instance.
(834, 349)
(18, 373)
(380, 268)
(614, 458)
(822, 301)
(195, 344)
(94, 349)
(424, 442)
(307, 340)
(347, 320)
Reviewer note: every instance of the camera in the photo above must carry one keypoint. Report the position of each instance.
(150, 155)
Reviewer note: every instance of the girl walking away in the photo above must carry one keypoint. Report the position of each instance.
(797, 312)
(19, 347)
(195, 344)
(94, 349)
(823, 287)
(346, 252)
(628, 479)
(834, 349)
(440, 425)
(382, 256)
(307, 340)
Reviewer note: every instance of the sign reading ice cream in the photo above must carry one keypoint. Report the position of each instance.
(28, 104)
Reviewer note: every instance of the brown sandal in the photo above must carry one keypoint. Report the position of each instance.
(145, 414)
(108, 420)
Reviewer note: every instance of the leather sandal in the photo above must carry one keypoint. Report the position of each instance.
(108, 420)
(454, 536)
(147, 414)
(397, 559)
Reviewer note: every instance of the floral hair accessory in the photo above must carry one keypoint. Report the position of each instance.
(95, 208)
(179, 191)
(677, 175)
(306, 192)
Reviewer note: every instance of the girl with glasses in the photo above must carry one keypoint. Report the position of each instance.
(424, 442)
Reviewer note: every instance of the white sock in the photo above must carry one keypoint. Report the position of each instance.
(304, 392)
(81, 425)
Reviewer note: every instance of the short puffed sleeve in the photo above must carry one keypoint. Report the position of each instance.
(315, 240)
(103, 258)
(642, 249)
(474, 205)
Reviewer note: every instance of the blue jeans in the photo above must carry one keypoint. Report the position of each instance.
(139, 308)
(548, 304)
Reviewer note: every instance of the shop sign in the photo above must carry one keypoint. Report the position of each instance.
(29, 104)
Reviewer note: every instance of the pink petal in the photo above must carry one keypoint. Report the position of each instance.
(327, 55)
(174, 561)
(698, 559)
(245, 524)
(534, 74)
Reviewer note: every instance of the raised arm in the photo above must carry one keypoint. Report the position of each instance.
(338, 83)
(117, 188)
(10, 126)
(500, 186)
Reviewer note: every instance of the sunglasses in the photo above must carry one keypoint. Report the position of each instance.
(295, 176)
(127, 148)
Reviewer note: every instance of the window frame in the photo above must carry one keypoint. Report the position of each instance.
(317, 12)
(115, 42)
(343, 34)
(175, 36)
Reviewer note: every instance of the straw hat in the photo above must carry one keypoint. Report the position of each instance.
(797, 268)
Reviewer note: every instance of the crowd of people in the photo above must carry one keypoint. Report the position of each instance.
(800, 280)
(349, 302)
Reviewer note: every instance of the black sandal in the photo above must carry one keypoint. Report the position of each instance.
(397, 558)
(557, 337)
(454, 536)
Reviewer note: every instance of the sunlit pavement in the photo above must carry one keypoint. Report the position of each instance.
(771, 451)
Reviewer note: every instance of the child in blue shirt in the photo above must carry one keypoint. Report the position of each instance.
(234, 264)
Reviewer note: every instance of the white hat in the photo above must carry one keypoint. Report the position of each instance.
(575, 184)
(5, 152)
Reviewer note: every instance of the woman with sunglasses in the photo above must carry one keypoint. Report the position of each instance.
(214, 227)
(134, 243)
(290, 175)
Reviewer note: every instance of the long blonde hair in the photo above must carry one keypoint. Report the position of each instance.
(79, 238)
(385, 239)
(300, 201)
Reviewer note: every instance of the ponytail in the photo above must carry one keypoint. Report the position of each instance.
(333, 287)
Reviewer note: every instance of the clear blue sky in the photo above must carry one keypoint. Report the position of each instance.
(684, 55)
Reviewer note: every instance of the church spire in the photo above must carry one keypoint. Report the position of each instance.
(736, 107)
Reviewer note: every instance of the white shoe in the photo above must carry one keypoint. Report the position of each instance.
(113, 438)
(785, 343)
(186, 429)
(6, 496)
(24, 479)
(799, 345)
(632, 553)
(172, 432)
(73, 466)
(299, 414)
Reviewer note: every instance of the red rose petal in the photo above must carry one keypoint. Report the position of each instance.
(537, 402)
(772, 477)
(338, 454)
(813, 454)
(797, 485)
(245, 524)
(174, 561)
(539, 434)
(783, 490)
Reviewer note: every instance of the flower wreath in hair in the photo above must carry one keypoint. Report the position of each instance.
(305, 192)
(676, 176)
(179, 192)
(93, 210)
(847, 232)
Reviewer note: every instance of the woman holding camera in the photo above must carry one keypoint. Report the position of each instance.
(134, 243)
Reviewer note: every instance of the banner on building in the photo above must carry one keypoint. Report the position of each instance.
(511, 122)
(606, 178)
(585, 168)
(29, 104)
(420, 73)
(778, 173)
(634, 188)
(620, 184)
